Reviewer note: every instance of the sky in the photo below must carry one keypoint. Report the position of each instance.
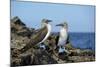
(80, 18)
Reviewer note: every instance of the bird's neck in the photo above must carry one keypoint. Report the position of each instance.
(64, 29)
(48, 27)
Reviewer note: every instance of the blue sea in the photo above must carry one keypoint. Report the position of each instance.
(83, 40)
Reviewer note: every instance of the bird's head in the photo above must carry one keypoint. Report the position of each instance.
(64, 24)
(45, 22)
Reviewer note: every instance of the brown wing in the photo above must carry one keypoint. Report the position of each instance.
(35, 39)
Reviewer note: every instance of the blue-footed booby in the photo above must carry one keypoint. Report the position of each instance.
(62, 38)
(40, 36)
(45, 23)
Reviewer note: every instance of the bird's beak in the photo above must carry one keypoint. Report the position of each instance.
(59, 25)
(49, 20)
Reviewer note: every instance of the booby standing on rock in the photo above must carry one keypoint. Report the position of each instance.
(41, 35)
(45, 23)
(63, 37)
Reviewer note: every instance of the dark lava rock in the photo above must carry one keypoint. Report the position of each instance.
(42, 57)
(17, 21)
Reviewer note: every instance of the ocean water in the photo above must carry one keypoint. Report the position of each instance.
(83, 40)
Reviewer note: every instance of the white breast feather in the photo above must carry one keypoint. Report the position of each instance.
(48, 33)
(63, 37)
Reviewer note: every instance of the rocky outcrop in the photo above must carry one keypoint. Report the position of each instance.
(21, 36)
